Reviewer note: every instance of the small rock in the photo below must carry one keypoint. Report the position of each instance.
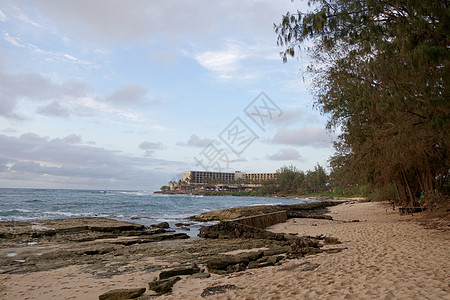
(355, 220)
(163, 286)
(179, 271)
(201, 275)
(120, 294)
(161, 225)
(220, 289)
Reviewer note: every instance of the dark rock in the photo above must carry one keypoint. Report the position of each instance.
(277, 251)
(184, 228)
(297, 214)
(256, 265)
(201, 275)
(220, 289)
(236, 268)
(226, 230)
(178, 272)
(163, 286)
(355, 220)
(120, 294)
(222, 262)
(183, 224)
(274, 259)
(331, 241)
(161, 225)
(116, 228)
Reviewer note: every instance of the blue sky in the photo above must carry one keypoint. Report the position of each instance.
(112, 94)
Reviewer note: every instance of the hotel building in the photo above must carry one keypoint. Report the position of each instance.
(206, 177)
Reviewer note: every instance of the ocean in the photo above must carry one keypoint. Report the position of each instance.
(140, 207)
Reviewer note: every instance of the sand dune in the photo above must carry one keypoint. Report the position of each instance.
(387, 256)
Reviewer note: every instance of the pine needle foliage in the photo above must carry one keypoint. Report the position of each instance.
(380, 72)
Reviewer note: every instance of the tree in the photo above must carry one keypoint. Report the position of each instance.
(290, 179)
(380, 71)
(316, 180)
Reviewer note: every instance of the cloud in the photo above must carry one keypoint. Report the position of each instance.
(53, 109)
(305, 136)
(285, 154)
(223, 62)
(196, 141)
(149, 147)
(168, 20)
(128, 94)
(2, 16)
(294, 116)
(65, 160)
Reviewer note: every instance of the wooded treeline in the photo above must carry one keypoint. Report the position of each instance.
(380, 72)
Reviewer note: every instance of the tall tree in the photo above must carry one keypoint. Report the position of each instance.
(380, 71)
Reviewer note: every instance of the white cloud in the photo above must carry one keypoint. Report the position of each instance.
(305, 136)
(223, 62)
(2, 16)
(285, 154)
(24, 18)
(12, 40)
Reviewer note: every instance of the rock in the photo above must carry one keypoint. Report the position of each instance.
(226, 230)
(163, 286)
(222, 262)
(183, 224)
(161, 225)
(355, 221)
(256, 265)
(236, 268)
(120, 294)
(179, 271)
(274, 259)
(296, 214)
(220, 289)
(331, 241)
(201, 275)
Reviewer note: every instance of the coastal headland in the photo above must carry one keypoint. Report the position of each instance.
(352, 250)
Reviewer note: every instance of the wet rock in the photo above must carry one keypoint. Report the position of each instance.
(120, 294)
(161, 225)
(155, 238)
(179, 271)
(227, 230)
(220, 289)
(163, 286)
(183, 224)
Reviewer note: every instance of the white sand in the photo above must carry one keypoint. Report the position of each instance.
(387, 257)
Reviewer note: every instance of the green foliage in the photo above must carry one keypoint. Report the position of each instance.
(290, 179)
(380, 72)
(165, 188)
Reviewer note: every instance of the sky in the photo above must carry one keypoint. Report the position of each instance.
(113, 94)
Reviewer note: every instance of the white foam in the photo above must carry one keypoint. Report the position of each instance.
(11, 254)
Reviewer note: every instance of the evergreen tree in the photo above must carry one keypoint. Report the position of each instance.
(380, 71)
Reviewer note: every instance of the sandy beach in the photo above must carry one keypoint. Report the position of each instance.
(386, 256)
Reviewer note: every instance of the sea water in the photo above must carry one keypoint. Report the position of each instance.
(140, 207)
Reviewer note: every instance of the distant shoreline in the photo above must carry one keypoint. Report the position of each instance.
(250, 194)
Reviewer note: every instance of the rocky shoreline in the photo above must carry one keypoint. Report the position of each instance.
(105, 248)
